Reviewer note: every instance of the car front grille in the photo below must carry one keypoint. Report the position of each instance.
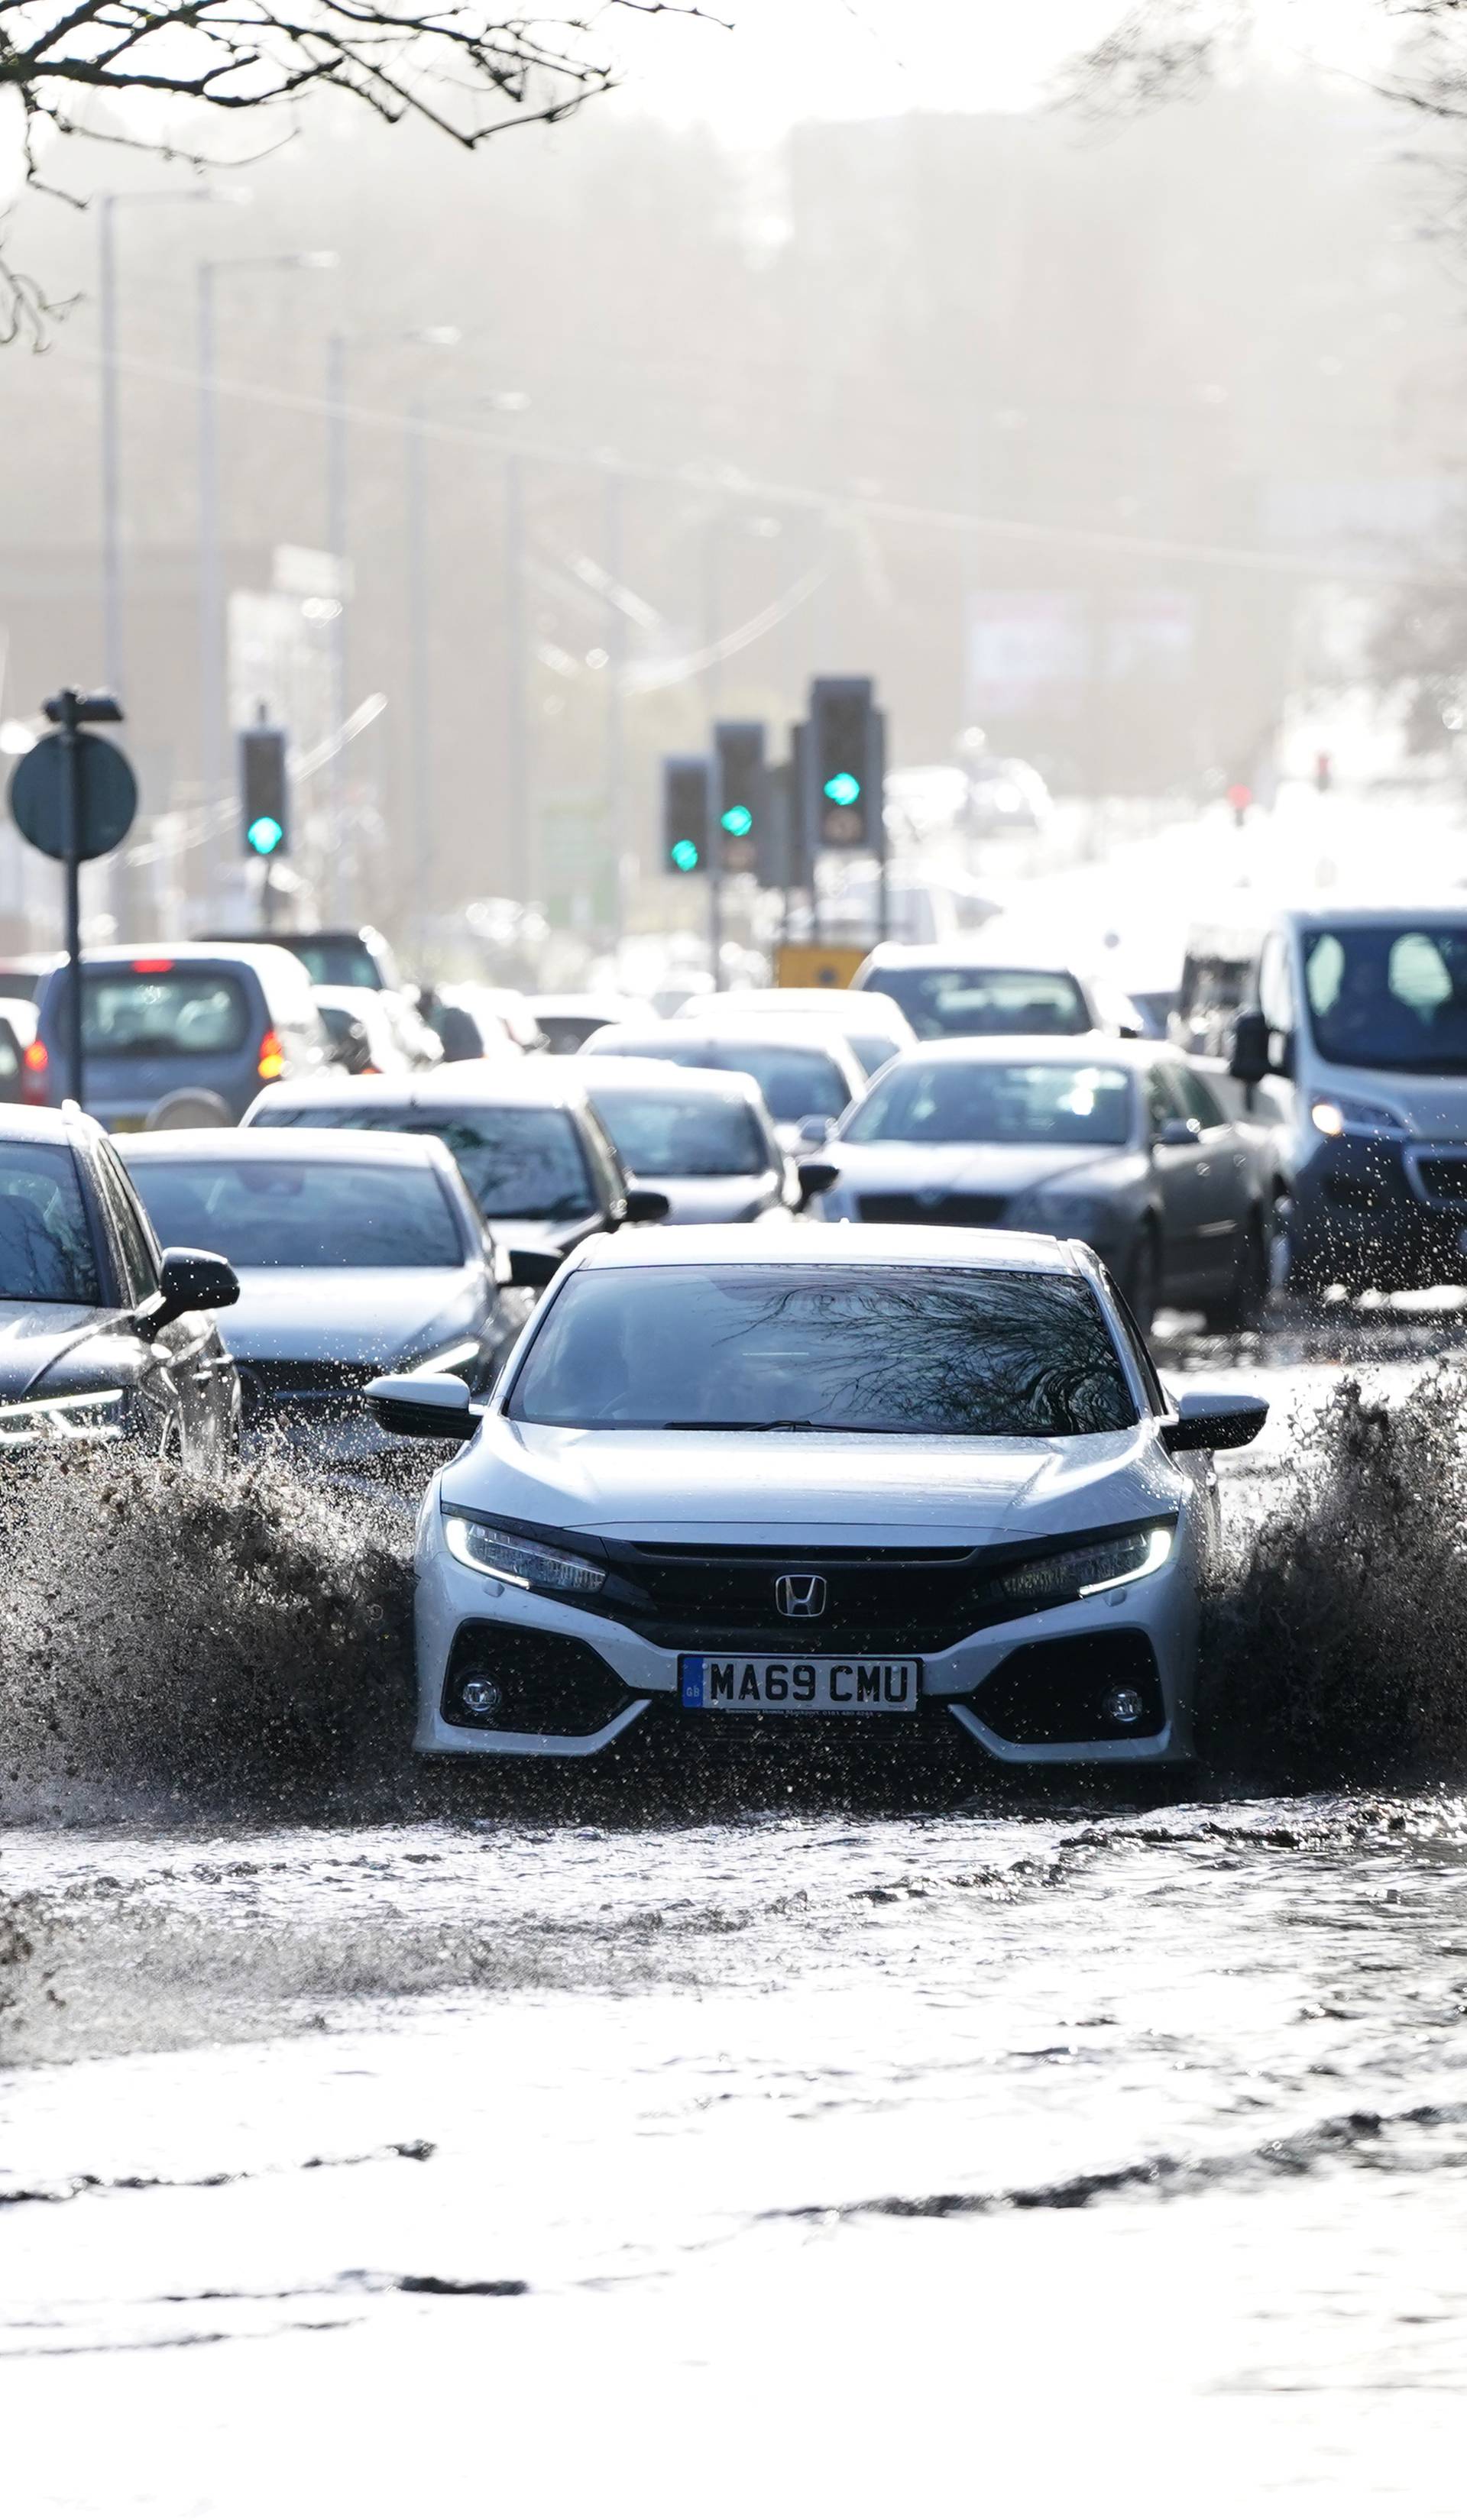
(954, 1207)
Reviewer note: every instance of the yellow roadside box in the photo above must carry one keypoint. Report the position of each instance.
(817, 966)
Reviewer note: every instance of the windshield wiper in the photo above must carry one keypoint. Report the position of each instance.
(773, 1426)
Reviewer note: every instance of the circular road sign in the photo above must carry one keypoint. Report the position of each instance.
(108, 795)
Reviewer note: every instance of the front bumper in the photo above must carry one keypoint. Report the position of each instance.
(1383, 1212)
(1149, 1625)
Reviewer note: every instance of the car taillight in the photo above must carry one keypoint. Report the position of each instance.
(271, 1060)
(35, 1064)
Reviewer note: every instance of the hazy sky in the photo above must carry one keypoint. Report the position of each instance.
(782, 61)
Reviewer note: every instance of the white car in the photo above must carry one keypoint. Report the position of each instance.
(839, 1474)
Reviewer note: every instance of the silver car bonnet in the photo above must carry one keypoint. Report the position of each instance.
(775, 1490)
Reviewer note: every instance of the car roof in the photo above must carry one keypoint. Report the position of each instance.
(271, 962)
(991, 1049)
(844, 1006)
(47, 1126)
(531, 1083)
(754, 1028)
(267, 1147)
(956, 956)
(667, 1246)
(602, 1076)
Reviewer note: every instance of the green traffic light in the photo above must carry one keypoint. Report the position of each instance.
(264, 836)
(738, 820)
(685, 855)
(843, 789)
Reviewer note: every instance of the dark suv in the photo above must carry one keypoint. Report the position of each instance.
(178, 1032)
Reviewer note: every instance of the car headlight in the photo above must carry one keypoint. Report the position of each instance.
(82, 1417)
(517, 1560)
(1342, 1116)
(1074, 1574)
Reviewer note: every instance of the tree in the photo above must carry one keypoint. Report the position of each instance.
(1162, 50)
(467, 72)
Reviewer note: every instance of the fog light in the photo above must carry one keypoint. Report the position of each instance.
(1118, 1706)
(482, 1696)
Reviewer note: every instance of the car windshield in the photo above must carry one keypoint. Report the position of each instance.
(1390, 996)
(905, 1351)
(46, 1252)
(565, 1034)
(792, 1081)
(1030, 1104)
(186, 1013)
(692, 1136)
(515, 1161)
(940, 1004)
(264, 1214)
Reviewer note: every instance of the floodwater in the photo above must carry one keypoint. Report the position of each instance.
(372, 2145)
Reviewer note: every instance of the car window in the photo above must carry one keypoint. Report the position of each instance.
(1198, 1100)
(690, 1136)
(939, 1004)
(342, 963)
(138, 1264)
(186, 1013)
(290, 1215)
(940, 1101)
(517, 1161)
(46, 1252)
(1162, 1101)
(906, 1351)
(1392, 997)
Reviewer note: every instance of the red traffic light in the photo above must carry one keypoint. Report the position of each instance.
(1240, 798)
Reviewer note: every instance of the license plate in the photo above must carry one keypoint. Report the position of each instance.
(715, 1683)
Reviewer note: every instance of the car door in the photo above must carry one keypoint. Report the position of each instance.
(1226, 1198)
(196, 1384)
(1181, 1171)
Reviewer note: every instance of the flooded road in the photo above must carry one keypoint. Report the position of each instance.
(378, 2146)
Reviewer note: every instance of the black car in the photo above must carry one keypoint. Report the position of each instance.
(103, 1338)
(354, 1257)
(528, 1140)
(1121, 1144)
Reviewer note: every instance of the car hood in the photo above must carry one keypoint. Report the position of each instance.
(777, 1491)
(349, 1315)
(724, 1198)
(35, 1337)
(1002, 1171)
(1432, 1106)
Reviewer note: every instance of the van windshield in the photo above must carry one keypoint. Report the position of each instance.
(187, 1013)
(1390, 996)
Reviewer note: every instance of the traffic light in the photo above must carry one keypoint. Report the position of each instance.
(847, 764)
(741, 794)
(264, 792)
(687, 815)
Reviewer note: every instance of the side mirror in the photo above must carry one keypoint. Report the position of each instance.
(647, 1207)
(1215, 1421)
(533, 1268)
(191, 1282)
(436, 1405)
(1250, 1061)
(815, 1180)
(815, 1128)
(1178, 1133)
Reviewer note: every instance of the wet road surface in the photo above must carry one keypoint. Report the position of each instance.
(381, 2153)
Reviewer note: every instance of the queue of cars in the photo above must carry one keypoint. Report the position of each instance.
(836, 1403)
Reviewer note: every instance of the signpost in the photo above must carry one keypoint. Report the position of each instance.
(73, 796)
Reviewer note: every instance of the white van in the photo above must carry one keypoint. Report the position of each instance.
(1362, 1015)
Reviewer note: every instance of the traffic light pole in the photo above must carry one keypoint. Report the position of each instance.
(715, 900)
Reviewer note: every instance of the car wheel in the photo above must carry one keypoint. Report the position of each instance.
(1143, 1286)
(1245, 1307)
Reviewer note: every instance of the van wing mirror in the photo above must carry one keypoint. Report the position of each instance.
(436, 1405)
(1250, 1061)
(1215, 1421)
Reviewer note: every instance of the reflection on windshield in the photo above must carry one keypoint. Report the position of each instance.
(692, 1137)
(515, 1162)
(301, 1216)
(906, 1351)
(938, 1102)
(46, 1255)
(1390, 997)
